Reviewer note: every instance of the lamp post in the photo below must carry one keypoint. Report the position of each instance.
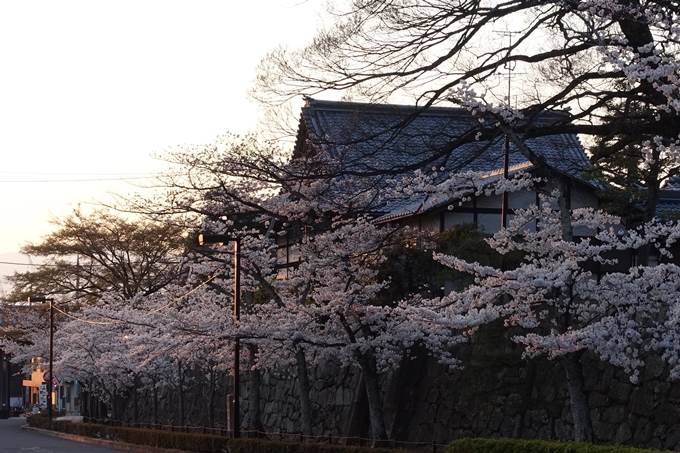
(43, 299)
(221, 239)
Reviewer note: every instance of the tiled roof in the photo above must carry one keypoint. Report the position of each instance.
(669, 200)
(672, 183)
(368, 136)
(379, 138)
(402, 208)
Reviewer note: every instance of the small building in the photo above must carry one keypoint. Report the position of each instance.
(11, 390)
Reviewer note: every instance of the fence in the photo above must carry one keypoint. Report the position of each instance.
(280, 436)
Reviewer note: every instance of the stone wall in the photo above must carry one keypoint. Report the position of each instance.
(497, 394)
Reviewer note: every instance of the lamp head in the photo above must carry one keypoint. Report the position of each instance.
(214, 239)
(37, 299)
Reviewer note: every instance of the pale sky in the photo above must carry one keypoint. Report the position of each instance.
(89, 89)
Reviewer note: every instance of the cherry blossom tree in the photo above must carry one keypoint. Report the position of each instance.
(601, 58)
(557, 306)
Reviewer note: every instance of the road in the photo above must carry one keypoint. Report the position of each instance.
(15, 440)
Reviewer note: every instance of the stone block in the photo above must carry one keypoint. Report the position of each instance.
(597, 399)
(513, 403)
(604, 432)
(605, 380)
(623, 434)
(591, 378)
(507, 426)
(641, 402)
(548, 393)
(666, 414)
(654, 444)
(288, 426)
(642, 433)
(496, 420)
(461, 433)
(443, 412)
(672, 438)
(595, 415)
(674, 393)
(478, 425)
(620, 392)
(432, 395)
(324, 398)
(555, 409)
(539, 418)
(544, 433)
(563, 431)
(661, 388)
(654, 367)
(486, 433)
(660, 432)
(615, 414)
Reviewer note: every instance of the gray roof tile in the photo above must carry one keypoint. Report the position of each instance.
(382, 138)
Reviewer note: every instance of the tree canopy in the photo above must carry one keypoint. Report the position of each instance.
(90, 254)
(611, 64)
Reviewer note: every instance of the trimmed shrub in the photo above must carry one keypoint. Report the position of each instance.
(535, 446)
(200, 443)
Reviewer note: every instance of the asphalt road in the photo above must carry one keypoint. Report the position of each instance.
(15, 440)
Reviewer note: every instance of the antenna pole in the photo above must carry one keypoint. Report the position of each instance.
(506, 142)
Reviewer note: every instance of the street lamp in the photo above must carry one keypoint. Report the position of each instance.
(43, 299)
(221, 239)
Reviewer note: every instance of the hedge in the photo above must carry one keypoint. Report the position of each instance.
(200, 443)
(535, 446)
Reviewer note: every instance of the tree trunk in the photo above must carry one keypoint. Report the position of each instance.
(572, 362)
(303, 383)
(211, 396)
(135, 408)
(653, 194)
(375, 406)
(254, 393)
(577, 395)
(155, 403)
(180, 377)
(114, 407)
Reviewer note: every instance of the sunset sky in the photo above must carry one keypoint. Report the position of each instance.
(88, 90)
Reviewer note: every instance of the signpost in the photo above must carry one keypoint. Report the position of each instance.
(42, 396)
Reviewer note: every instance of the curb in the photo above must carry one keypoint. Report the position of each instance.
(101, 442)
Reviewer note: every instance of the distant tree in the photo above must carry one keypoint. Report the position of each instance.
(91, 254)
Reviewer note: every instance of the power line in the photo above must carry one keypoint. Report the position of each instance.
(81, 265)
(26, 264)
(81, 177)
(73, 174)
(77, 180)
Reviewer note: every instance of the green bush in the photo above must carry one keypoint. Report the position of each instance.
(200, 443)
(535, 446)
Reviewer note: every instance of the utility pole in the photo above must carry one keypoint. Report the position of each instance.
(50, 381)
(5, 384)
(510, 66)
(220, 239)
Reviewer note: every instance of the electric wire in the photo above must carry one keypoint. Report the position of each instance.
(84, 177)
(106, 323)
